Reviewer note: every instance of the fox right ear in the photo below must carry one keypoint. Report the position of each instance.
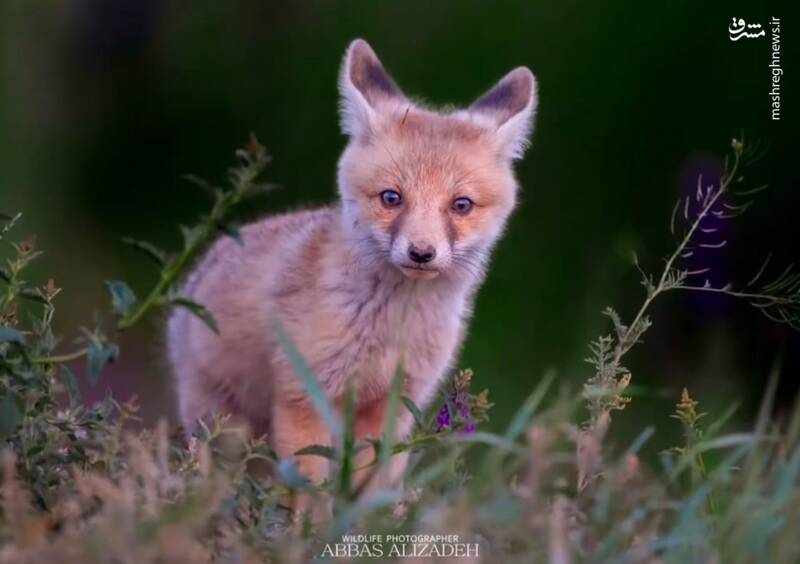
(509, 106)
(364, 86)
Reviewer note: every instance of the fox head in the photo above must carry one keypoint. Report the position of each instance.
(427, 191)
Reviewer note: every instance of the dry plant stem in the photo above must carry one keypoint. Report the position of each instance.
(625, 343)
(745, 295)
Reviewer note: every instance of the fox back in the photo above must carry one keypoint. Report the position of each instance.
(383, 279)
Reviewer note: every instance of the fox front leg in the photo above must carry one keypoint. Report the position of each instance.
(296, 426)
(370, 422)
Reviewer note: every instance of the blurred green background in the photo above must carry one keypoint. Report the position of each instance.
(104, 104)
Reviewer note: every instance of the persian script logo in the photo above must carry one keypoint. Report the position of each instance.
(739, 29)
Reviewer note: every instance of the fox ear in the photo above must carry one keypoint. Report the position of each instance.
(364, 86)
(509, 106)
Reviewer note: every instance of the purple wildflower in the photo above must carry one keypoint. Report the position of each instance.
(459, 399)
(443, 419)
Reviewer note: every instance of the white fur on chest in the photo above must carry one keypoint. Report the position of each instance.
(365, 331)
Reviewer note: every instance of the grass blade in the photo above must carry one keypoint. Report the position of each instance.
(315, 393)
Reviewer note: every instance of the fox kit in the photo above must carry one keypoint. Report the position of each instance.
(383, 279)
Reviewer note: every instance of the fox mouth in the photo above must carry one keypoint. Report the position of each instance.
(419, 272)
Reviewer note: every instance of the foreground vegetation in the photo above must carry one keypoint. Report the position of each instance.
(79, 486)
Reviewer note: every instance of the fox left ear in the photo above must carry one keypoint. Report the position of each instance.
(365, 87)
(509, 106)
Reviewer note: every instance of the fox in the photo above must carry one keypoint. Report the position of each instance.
(384, 279)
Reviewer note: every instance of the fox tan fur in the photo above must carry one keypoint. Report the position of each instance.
(343, 283)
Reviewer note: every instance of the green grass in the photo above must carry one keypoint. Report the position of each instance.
(79, 485)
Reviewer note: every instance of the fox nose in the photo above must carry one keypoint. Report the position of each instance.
(421, 255)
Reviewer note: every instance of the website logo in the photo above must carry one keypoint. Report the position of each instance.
(739, 29)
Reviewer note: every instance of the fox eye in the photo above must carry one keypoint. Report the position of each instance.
(391, 198)
(462, 205)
